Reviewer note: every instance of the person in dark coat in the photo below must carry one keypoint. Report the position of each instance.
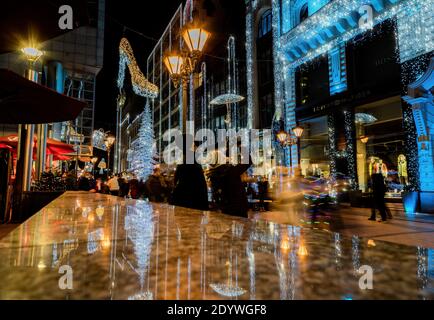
(190, 189)
(378, 193)
(134, 188)
(124, 188)
(228, 185)
(155, 187)
(83, 183)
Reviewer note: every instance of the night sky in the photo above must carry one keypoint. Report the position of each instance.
(150, 18)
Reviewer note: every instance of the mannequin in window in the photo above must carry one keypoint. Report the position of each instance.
(382, 168)
(402, 169)
(373, 166)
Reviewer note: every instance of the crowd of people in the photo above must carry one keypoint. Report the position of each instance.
(156, 188)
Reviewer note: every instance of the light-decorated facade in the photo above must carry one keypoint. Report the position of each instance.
(342, 70)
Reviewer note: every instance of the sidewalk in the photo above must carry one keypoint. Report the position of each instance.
(417, 230)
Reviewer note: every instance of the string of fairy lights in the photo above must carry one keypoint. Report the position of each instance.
(141, 85)
(414, 32)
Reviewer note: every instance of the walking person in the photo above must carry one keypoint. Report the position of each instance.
(227, 183)
(134, 188)
(378, 193)
(113, 185)
(190, 189)
(156, 187)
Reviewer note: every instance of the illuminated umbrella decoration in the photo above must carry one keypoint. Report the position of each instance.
(228, 289)
(227, 99)
(141, 232)
(365, 118)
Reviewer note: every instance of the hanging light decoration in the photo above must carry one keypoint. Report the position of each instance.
(365, 118)
(141, 85)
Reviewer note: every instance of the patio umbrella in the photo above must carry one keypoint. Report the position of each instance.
(24, 101)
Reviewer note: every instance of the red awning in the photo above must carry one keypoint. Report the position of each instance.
(5, 146)
(54, 147)
(24, 101)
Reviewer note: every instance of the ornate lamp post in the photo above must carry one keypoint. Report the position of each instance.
(181, 65)
(26, 131)
(109, 141)
(298, 132)
(286, 140)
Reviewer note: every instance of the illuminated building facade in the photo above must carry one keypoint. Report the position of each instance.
(342, 68)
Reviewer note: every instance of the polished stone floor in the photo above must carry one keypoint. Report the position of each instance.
(412, 230)
(126, 249)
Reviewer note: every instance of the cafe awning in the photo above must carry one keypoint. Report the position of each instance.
(25, 102)
(54, 147)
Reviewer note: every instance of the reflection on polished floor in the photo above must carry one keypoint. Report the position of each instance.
(126, 249)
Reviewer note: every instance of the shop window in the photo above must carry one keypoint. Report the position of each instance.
(314, 157)
(265, 24)
(380, 145)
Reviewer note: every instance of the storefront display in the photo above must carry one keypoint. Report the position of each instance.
(402, 169)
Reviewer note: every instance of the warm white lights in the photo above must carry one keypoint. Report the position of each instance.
(195, 38)
(141, 85)
(32, 54)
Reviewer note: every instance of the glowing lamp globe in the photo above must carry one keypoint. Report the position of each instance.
(282, 136)
(173, 64)
(111, 140)
(195, 38)
(298, 131)
(32, 54)
(364, 139)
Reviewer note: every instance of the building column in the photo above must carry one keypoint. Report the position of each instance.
(252, 88)
(350, 140)
(333, 145)
(423, 114)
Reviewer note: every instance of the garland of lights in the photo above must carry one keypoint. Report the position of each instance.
(350, 130)
(276, 51)
(414, 33)
(411, 70)
(204, 98)
(340, 9)
(249, 66)
(250, 36)
(141, 85)
(331, 123)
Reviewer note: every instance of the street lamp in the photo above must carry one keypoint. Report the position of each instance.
(282, 137)
(94, 160)
(195, 38)
(174, 63)
(26, 131)
(109, 141)
(32, 54)
(286, 140)
(298, 132)
(181, 65)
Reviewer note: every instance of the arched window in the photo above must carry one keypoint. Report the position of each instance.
(265, 24)
(304, 12)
